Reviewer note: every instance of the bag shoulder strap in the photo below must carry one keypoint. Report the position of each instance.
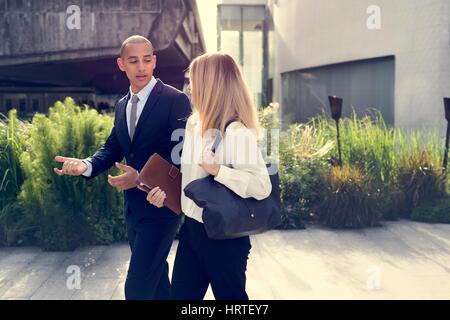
(218, 139)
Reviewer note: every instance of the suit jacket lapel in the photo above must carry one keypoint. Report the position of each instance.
(151, 101)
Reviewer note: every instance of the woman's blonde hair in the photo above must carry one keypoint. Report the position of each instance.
(219, 93)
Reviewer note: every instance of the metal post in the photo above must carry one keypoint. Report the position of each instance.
(339, 142)
(336, 113)
(447, 117)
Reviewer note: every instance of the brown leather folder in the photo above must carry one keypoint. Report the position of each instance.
(158, 172)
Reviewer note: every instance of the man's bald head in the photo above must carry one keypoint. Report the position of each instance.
(132, 40)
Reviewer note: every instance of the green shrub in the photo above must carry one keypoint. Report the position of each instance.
(420, 179)
(391, 157)
(13, 135)
(69, 211)
(367, 143)
(301, 193)
(437, 211)
(300, 155)
(350, 199)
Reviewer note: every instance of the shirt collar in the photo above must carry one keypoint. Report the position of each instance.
(145, 91)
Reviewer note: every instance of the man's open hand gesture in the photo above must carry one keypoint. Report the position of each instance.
(76, 167)
(125, 181)
(71, 166)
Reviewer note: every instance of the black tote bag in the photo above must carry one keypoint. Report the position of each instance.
(226, 215)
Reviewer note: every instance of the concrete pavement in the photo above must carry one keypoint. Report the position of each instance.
(401, 260)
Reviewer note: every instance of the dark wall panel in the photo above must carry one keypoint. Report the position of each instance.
(362, 84)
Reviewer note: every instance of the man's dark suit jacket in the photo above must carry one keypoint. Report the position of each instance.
(166, 110)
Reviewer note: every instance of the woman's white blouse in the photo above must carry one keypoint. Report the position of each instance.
(242, 169)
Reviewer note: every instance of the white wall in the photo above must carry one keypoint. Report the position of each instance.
(313, 33)
(243, 2)
(208, 16)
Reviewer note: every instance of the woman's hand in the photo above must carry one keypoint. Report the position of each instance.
(156, 197)
(209, 163)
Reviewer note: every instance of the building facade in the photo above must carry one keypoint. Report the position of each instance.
(57, 48)
(394, 57)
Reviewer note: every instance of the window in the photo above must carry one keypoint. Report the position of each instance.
(35, 105)
(242, 31)
(22, 106)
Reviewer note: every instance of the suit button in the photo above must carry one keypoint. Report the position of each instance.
(131, 155)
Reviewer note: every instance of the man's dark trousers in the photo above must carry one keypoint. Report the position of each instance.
(148, 274)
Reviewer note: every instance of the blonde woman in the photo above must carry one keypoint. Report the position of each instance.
(220, 96)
